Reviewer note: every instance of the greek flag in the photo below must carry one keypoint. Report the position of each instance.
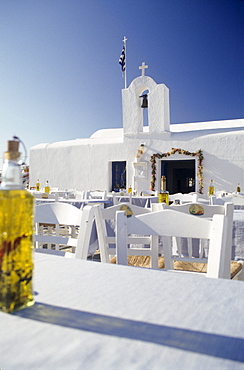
(122, 60)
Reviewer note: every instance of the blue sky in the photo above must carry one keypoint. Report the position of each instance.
(59, 72)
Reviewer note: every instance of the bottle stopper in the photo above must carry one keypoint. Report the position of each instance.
(13, 150)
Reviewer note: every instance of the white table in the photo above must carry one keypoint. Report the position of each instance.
(90, 315)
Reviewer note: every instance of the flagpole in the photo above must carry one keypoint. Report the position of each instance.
(125, 78)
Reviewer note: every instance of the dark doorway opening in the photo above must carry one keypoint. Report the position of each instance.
(118, 175)
(180, 175)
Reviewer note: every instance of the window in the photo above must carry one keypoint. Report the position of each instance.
(140, 170)
(118, 175)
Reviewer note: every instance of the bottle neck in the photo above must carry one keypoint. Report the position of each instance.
(163, 183)
(11, 175)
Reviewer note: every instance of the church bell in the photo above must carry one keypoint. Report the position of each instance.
(144, 101)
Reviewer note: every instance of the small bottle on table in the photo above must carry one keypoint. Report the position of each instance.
(47, 188)
(163, 196)
(211, 188)
(38, 185)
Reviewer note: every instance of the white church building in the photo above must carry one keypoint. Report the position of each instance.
(144, 149)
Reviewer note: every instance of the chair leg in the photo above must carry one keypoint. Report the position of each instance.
(85, 233)
(121, 239)
(101, 234)
(154, 255)
(167, 249)
(241, 274)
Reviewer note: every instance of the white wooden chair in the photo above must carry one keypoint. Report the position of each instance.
(105, 223)
(205, 211)
(65, 215)
(80, 242)
(170, 223)
(56, 223)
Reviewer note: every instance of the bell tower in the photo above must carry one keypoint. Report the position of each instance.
(158, 105)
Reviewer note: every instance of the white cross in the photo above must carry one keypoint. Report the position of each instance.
(125, 39)
(143, 67)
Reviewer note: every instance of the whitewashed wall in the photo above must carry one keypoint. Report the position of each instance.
(85, 164)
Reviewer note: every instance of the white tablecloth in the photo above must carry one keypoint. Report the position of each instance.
(90, 315)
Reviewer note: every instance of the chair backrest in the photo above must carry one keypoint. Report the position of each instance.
(170, 223)
(130, 209)
(105, 224)
(119, 198)
(54, 217)
(96, 194)
(200, 210)
(184, 198)
(237, 200)
(78, 194)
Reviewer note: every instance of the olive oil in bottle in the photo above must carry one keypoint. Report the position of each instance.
(163, 196)
(211, 188)
(38, 185)
(47, 188)
(16, 233)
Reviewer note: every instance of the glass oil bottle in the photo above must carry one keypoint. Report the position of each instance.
(211, 188)
(47, 188)
(38, 185)
(16, 235)
(163, 196)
